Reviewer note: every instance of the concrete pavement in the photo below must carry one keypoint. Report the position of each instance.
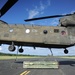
(12, 67)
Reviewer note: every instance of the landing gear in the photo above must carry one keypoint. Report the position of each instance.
(34, 47)
(21, 50)
(51, 52)
(12, 47)
(66, 51)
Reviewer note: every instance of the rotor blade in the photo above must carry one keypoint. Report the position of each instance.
(54, 16)
(7, 6)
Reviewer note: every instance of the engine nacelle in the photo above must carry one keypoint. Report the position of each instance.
(67, 21)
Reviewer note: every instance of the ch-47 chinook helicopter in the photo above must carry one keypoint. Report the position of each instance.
(60, 36)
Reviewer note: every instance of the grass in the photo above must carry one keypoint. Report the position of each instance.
(21, 57)
(68, 57)
(4, 56)
(14, 57)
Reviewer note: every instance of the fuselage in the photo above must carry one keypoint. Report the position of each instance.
(34, 35)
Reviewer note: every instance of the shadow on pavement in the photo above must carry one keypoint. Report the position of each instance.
(19, 62)
(71, 63)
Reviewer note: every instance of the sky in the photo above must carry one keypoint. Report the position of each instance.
(26, 9)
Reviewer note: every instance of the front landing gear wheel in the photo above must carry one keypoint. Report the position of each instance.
(66, 51)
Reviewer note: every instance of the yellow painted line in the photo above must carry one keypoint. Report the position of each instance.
(25, 73)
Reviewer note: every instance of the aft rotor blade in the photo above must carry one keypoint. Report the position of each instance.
(7, 6)
(46, 17)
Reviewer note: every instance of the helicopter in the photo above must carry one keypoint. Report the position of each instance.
(60, 36)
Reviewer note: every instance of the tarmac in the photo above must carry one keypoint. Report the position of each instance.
(12, 67)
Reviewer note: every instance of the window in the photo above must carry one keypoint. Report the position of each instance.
(56, 30)
(63, 32)
(45, 31)
(27, 30)
(11, 30)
